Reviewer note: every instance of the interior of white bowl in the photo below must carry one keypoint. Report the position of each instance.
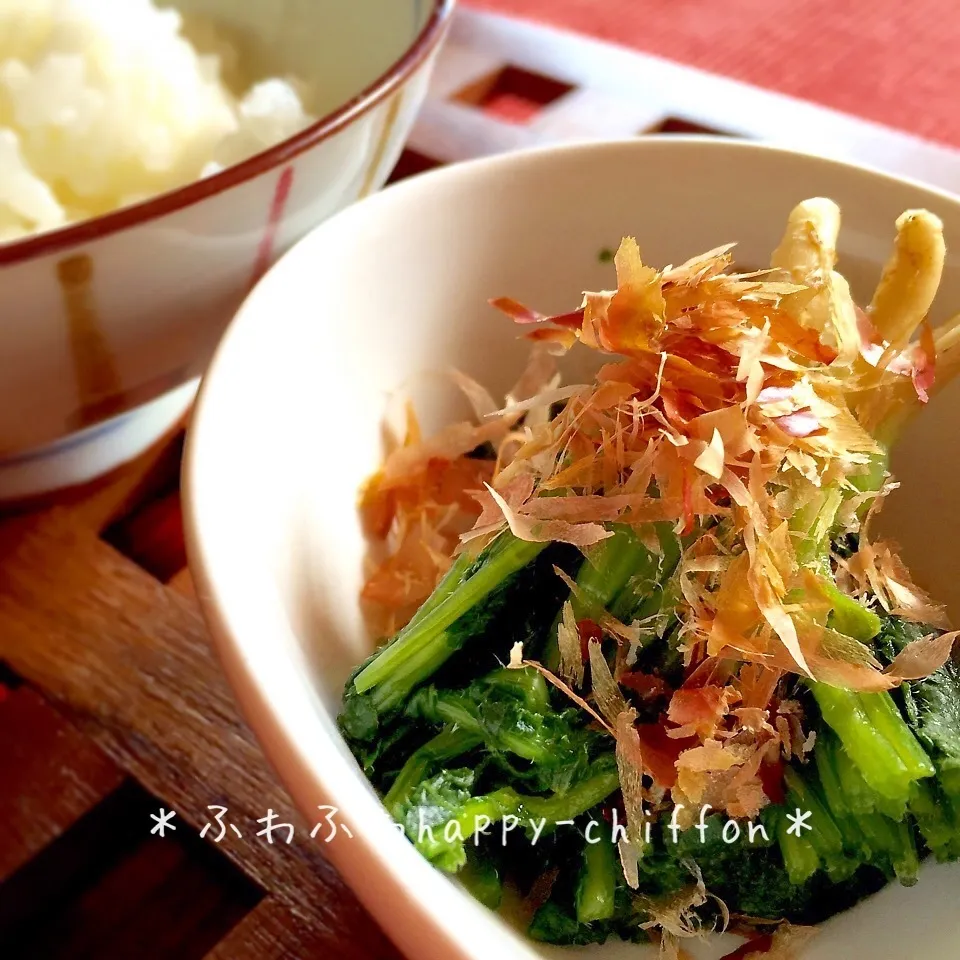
(397, 287)
(337, 47)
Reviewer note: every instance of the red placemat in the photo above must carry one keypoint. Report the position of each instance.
(885, 60)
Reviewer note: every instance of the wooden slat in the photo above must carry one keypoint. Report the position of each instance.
(272, 931)
(50, 776)
(452, 131)
(108, 889)
(460, 67)
(182, 583)
(590, 113)
(152, 535)
(130, 663)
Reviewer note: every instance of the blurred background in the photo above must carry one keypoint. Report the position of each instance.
(884, 60)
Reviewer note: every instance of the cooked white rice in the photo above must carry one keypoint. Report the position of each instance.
(104, 102)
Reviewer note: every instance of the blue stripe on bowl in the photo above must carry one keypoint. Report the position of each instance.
(59, 447)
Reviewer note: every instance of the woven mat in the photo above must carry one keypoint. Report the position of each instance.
(890, 61)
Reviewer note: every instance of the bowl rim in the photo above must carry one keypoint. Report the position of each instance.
(273, 722)
(96, 228)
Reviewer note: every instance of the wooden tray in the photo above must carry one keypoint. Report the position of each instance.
(111, 705)
(113, 708)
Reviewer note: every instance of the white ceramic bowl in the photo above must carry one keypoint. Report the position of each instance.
(105, 316)
(274, 540)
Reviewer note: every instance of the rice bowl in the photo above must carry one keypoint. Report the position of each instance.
(105, 104)
(104, 319)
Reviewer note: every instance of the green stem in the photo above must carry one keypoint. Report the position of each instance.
(848, 616)
(482, 878)
(825, 835)
(597, 888)
(861, 797)
(904, 855)
(623, 576)
(609, 568)
(812, 524)
(459, 711)
(448, 584)
(799, 857)
(528, 682)
(528, 810)
(870, 749)
(892, 845)
(937, 820)
(418, 665)
(882, 712)
(645, 592)
(827, 769)
(872, 478)
(425, 642)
